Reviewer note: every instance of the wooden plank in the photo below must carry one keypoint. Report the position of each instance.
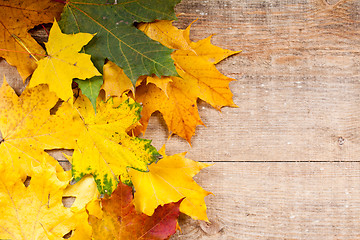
(298, 88)
(12, 76)
(279, 201)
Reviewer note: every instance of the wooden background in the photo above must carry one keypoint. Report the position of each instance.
(287, 160)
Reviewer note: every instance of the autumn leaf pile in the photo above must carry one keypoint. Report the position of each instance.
(93, 85)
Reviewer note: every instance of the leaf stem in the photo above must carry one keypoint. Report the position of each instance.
(21, 43)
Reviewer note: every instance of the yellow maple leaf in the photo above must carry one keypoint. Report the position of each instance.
(168, 35)
(169, 180)
(104, 149)
(85, 185)
(85, 193)
(195, 63)
(27, 127)
(64, 62)
(17, 18)
(35, 211)
(115, 80)
(83, 229)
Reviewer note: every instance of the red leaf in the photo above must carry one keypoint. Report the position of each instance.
(121, 221)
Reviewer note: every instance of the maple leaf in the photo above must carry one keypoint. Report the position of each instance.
(195, 63)
(85, 193)
(35, 211)
(176, 97)
(169, 180)
(167, 34)
(17, 17)
(115, 80)
(64, 62)
(86, 185)
(178, 106)
(27, 127)
(121, 221)
(161, 83)
(91, 88)
(117, 38)
(83, 229)
(104, 149)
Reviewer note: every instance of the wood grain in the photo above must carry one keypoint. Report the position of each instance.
(279, 201)
(280, 171)
(298, 81)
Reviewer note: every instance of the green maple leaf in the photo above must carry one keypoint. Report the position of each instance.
(117, 37)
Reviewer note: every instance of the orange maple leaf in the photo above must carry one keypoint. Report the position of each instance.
(17, 17)
(195, 63)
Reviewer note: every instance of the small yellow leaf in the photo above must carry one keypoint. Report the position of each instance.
(169, 180)
(85, 191)
(115, 80)
(64, 62)
(94, 208)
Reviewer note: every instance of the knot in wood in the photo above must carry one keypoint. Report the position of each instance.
(210, 228)
(341, 141)
(333, 2)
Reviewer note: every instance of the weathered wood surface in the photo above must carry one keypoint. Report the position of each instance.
(288, 157)
(298, 80)
(279, 201)
(287, 160)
